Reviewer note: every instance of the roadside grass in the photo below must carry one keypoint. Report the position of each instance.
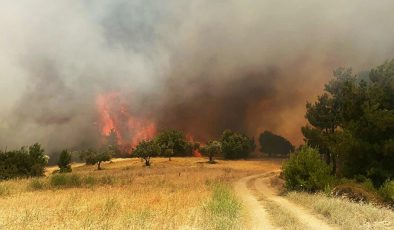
(223, 210)
(345, 213)
(177, 194)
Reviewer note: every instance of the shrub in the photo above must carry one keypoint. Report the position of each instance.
(306, 171)
(62, 180)
(24, 162)
(37, 184)
(173, 143)
(64, 162)
(387, 191)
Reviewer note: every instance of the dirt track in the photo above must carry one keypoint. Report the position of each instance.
(256, 189)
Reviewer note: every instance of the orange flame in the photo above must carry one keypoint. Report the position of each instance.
(115, 116)
(196, 152)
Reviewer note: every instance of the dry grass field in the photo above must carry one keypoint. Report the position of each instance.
(185, 193)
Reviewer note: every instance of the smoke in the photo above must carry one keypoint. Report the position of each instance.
(200, 66)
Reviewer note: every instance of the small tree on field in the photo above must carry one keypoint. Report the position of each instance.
(174, 140)
(211, 149)
(236, 145)
(64, 162)
(146, 149)
(93, 157)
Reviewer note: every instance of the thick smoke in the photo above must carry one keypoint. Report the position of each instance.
(200, 66)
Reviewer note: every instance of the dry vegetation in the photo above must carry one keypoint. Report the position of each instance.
(180, 194)
(344, 213)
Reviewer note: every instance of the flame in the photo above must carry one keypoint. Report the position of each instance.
(116, 117)
(196, 152)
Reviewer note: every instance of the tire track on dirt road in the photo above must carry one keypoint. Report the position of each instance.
(248, 187)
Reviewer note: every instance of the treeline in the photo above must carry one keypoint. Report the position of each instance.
(352, 126)
(168, 143)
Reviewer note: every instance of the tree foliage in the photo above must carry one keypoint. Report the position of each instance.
(236, 145)
(173, 143)
(92, 156)
(64, 162)
(24, 162)
(353, 123)
(211, 149)
(273, 144)
(147, 149)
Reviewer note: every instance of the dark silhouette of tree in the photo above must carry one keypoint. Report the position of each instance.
(273, 144)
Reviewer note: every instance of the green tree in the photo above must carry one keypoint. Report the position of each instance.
(211, 149)
(64, 162)
(273, 144)
(92, 156)
(354, 123)
(173, 143)
(236, 145)
(146, 149)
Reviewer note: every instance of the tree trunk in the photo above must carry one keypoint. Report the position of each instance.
(147, 162)
(334, 165)
(169, 158)
(210, 158)
(99, 165)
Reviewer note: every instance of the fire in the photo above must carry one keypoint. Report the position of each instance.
(196, 152)
(115, 116)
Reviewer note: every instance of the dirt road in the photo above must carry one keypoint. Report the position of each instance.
(255, 190)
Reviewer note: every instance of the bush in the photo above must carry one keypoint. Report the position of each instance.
(24, 162)
(63, 180)
(64, 162)
(387, 191)
(37, 184)
(306, 171)
(236, 145)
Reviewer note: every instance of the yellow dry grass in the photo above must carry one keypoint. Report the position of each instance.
(344, 213)
(168, 195)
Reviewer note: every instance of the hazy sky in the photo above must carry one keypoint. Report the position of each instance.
(200, 66)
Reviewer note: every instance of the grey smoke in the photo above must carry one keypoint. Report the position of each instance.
(200, 66)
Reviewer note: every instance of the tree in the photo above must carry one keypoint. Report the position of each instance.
(173, 143)
(273, 144)
(146, 149)
(93, 157)
(38, 160)
(236, 145)
(353, 122)
(211, 149)
(64, 162)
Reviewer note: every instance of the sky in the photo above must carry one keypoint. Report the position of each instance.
(199, 66)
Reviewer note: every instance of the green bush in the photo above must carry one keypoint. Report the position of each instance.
(64, 162)
(387, 191)
(37, 184)
(25, 162)
(306, 171)
(64, 180)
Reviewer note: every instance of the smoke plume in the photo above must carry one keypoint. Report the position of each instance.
(199, 66)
